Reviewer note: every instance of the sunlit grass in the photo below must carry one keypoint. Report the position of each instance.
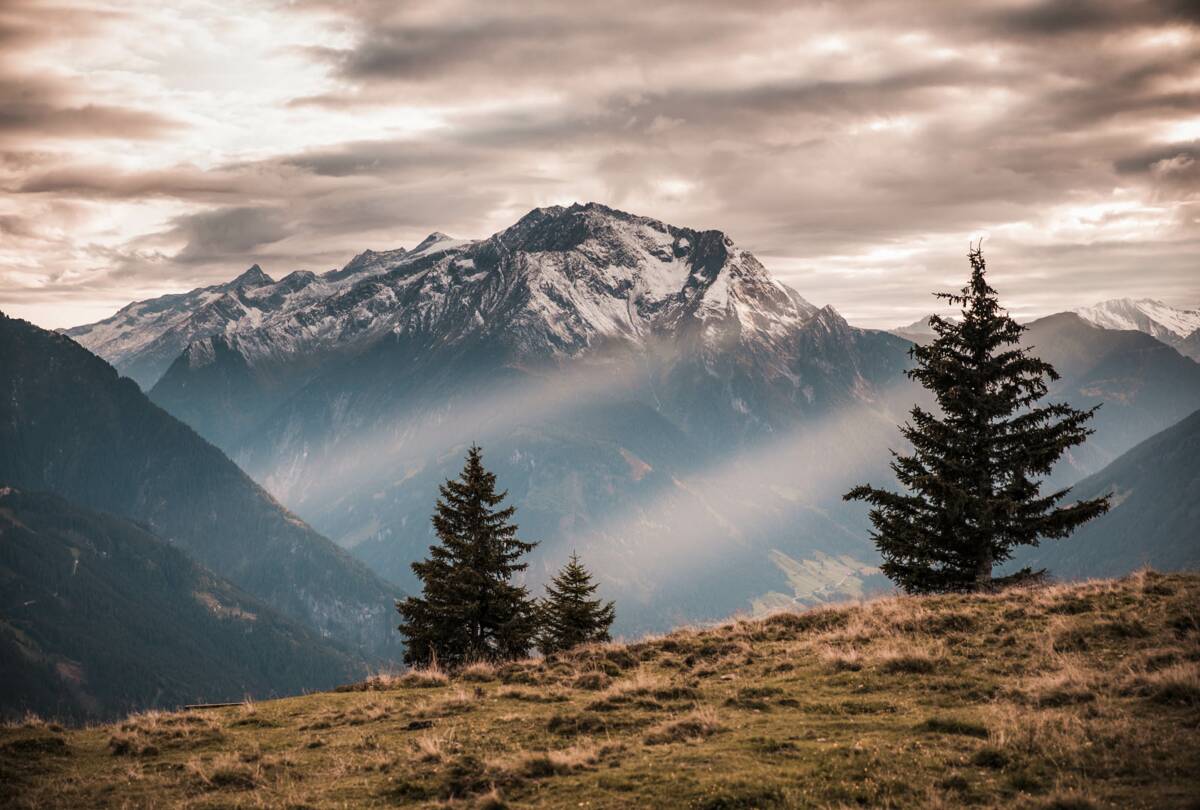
(1064, 696)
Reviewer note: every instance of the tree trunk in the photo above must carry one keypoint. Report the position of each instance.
(983, 573)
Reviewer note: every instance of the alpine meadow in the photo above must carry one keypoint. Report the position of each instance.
(681, 405)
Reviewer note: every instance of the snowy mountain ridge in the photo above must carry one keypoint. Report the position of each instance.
(1177, 327)
(562, 279)
(1143, 315)
(144, 337)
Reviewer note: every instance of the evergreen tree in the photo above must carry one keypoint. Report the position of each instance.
(569, 616)
(469, 609)
(973, 476)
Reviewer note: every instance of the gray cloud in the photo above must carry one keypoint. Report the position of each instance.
(1057, 18)
(102, 181)
(87, 121)
(1145, 160)
(228, 233)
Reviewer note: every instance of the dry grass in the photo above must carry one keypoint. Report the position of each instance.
(532, 695)
(458, 702)
(433, 747)
(1047, 736)
(841, 659)
(643, 689)
(542, 764)
(492, 800)
(592, 681)
(1069, 681)
(149, 733)
(29, 720)
(643, 682)
(696, 725)
(242, 771)
(915, 659)
(428, 677)
(478, 672)
(1178, 684)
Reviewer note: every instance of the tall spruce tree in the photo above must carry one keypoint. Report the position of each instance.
(469, 609)
(973, 477)
(569, 616)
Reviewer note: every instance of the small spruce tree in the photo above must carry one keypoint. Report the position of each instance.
(974, 493)
(469, 608)
(569, 616)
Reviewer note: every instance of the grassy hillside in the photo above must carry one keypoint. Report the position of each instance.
(1069, 696)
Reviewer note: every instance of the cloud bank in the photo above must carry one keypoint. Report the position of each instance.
(855, 148)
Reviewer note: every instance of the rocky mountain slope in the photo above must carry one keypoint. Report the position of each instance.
(101, 618)
(562, 283)
(1172, 325)
(1155, 515)
(1081, 696)
(70, 425)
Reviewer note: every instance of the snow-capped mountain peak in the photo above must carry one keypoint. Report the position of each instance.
(437, 241)
(252, 277)
(366, 263)
(1155, 318)
(594, 272)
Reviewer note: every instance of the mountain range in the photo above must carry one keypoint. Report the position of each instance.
(649, 395)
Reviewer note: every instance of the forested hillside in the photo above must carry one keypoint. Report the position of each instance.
(99, 618)
(69, 425)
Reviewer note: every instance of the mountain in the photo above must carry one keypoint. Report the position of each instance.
(101, 618)
(1078, 696)
(1154, 516)
(145, 337)
(623, 375)
(1142, 385)
(919, 331)
(1174, 326)
(70, 425)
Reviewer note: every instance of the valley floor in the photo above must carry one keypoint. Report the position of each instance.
(1069, 696)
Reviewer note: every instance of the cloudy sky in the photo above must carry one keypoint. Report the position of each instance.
(154, 147)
